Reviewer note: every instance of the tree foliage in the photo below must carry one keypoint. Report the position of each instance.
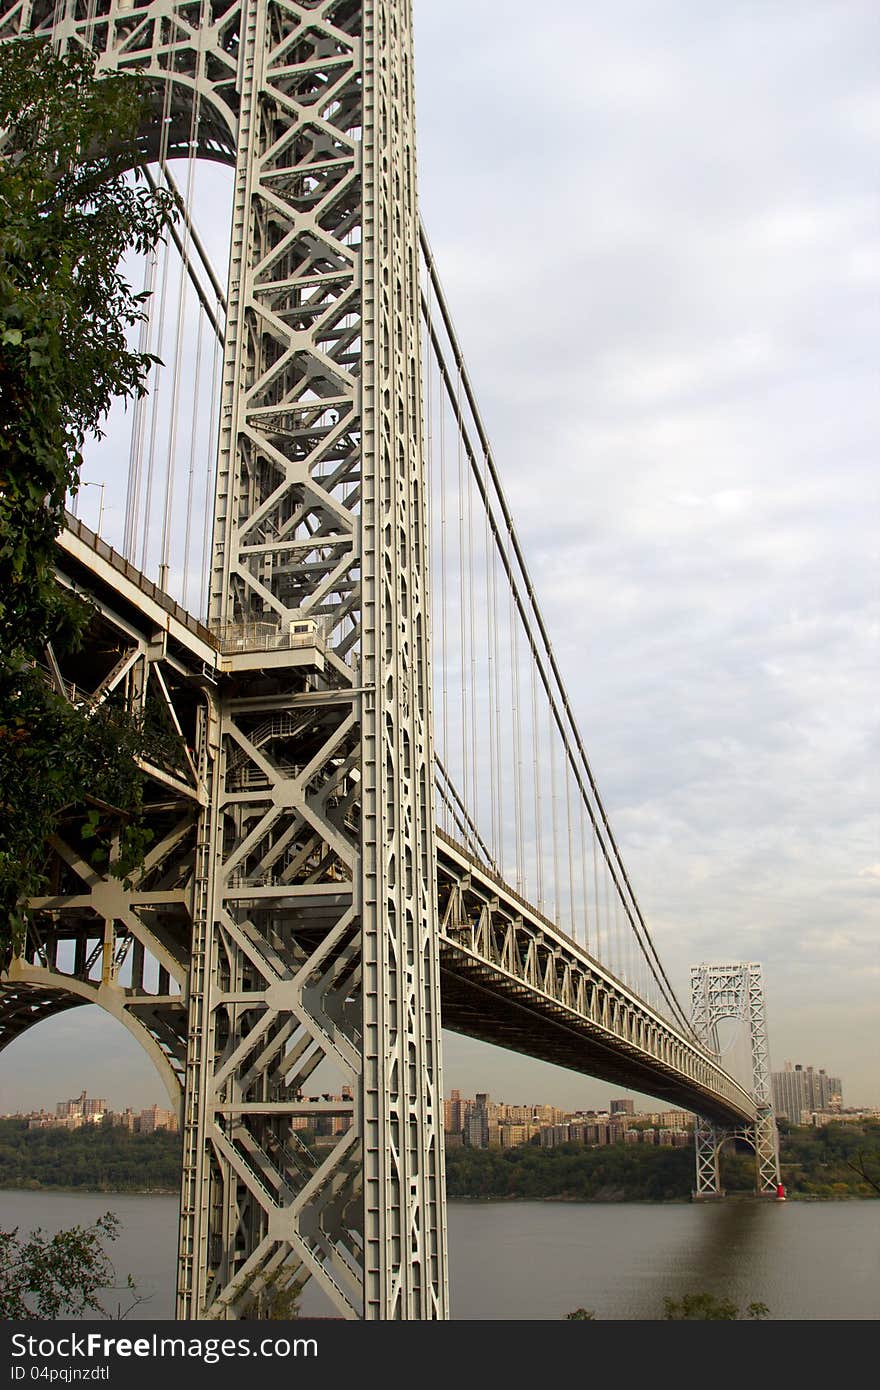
(69, 209)
(692, 1307)
(106, 1158)
(631, 1172)
(833, 1160)
(705, 1307)
(57, 1276)
(836, 1160)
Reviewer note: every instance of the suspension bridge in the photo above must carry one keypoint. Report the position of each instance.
(372, 812)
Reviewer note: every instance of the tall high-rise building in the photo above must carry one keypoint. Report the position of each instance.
(623, 1107)
(454, 1113)
(476, 1128)
(798, 1090)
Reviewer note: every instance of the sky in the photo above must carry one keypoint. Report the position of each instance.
(657, 230)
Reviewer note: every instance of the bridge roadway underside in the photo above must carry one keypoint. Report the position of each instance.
(508, 976)
(479, 1002)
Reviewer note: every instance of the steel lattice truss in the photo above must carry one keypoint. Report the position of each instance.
(735, 991)
(315, 759)
(94, 938)
(288, 912)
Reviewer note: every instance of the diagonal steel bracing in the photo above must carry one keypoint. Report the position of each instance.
(314, 932)
(735, 991)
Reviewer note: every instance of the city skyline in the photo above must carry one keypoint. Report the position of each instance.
(35, 1084)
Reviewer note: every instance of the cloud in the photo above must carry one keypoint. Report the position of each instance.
(660, 250)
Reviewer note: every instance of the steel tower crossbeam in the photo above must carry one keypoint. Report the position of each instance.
(314, 755)
(735, 991)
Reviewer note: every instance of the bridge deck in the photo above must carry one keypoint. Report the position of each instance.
(509, 975)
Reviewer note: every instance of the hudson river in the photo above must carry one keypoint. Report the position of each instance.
(805, 1260)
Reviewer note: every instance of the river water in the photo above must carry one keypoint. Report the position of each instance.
(805, 1260)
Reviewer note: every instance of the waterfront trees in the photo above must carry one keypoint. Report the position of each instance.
(705, 1307)
(69, 209)
(105, 1158)
(816, 1163)
(836, 1160)
(59, 1276)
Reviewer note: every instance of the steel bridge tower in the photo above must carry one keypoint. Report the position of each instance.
(735, 991)
(283, 935)
(314, 936)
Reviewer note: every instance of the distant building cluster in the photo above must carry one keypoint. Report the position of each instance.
(325, 1123)
(800, 1092)
(482, 1123)
(84, 1110)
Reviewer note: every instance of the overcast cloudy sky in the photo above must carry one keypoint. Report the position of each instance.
(657, 228)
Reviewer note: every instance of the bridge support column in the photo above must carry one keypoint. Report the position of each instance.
(315, 941)
(735, 991)
(708, 1139)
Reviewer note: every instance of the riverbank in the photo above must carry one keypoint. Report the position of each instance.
(618, 1199)
(836, 1162)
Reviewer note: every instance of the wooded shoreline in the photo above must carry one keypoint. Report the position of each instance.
(834, 1162)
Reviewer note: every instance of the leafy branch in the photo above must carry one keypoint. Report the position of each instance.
(60, 1276)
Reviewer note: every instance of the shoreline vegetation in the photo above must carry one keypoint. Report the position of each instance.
(835, 1162)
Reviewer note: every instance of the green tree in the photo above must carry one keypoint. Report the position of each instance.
(704, 1307)
(271, 1297)
(692, 1307)
(866, 1167)
(61, 1275)
(69, 209)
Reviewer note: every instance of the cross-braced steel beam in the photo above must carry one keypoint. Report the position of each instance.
(314, 934)
(735, 991)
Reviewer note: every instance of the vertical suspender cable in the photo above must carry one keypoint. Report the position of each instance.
(444, 602)
(572, 922)
(182, 293)
(213, 432)
(496, 650)
(598, 917)
(139, 415)
(429, 450)
(585, 891)
(192, 464)
(474, 806)
(517, 746)
(490, 686)
(535, 629)
(157, 387)
(462, 609)
(536, 764)
(555, 824)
